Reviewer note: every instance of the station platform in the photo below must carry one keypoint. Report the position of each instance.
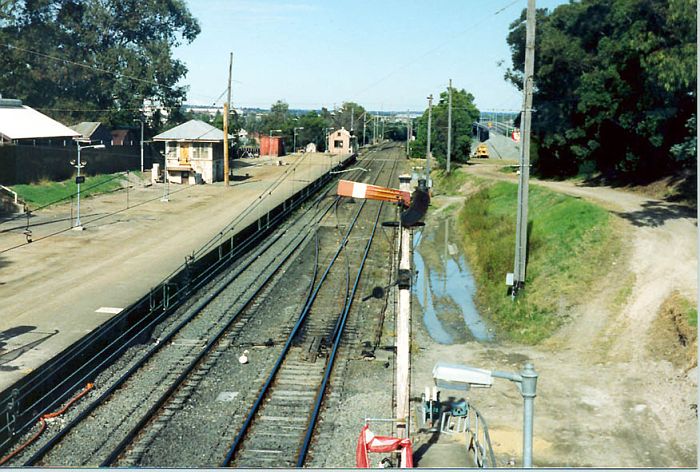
(66, 283)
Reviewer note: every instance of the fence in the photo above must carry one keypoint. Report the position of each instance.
(24, 163)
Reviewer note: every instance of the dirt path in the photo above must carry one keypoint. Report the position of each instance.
(604, 400)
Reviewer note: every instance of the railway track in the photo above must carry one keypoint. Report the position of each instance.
(278, 429)
(130, 412)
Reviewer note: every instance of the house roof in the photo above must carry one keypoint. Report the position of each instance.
(193, 130)
(86, 128)
(18, 121)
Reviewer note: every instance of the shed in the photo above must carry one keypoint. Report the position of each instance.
(194, 147)
(271, 145)
(95, 131)
(22, 124)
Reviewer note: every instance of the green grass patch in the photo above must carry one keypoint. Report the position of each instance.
(448, 184)
(570, 245)
(691, 312)
(45, 193)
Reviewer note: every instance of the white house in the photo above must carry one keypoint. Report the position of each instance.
(194, 147)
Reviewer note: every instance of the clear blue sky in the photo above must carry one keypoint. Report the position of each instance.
(383, 54)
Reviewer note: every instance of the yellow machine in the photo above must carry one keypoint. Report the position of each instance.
(482, 151)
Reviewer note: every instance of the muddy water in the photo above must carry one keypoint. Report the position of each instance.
(445, 287)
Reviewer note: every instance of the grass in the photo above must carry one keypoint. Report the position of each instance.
(691, 312)
(448, 184)
(571, 243)
(45, 193)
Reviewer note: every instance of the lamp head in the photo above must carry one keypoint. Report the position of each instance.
(460, 377)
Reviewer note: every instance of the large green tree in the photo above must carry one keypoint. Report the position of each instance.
(614, 86)
(464, 114)
(94, 59)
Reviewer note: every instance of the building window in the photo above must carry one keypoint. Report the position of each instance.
(200, 151)
(338, 143)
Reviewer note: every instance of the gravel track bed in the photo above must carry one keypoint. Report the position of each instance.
(192, 338)
(199, 422)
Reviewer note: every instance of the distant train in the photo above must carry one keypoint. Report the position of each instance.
(480, 131)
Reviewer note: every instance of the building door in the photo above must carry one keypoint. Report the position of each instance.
(184, 154)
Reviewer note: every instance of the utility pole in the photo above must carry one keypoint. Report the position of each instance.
(403, 325)
(226, 111)
(408, 132)
(449, 125)
(364, 129)
(427, 152)
(521, 224)
(352, 119)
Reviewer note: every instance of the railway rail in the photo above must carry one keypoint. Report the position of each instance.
(130, 410)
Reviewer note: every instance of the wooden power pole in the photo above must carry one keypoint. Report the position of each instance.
(526, 120)
(227, 105)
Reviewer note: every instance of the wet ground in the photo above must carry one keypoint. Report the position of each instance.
(445, 288)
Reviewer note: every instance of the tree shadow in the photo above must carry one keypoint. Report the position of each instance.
(7, 356)
(654, 214)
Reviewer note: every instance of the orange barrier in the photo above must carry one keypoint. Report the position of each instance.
(368, 442)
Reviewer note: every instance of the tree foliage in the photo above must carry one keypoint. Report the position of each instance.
(94, 59)
(464, 114)
(614, 86)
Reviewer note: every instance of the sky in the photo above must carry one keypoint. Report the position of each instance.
(386, 55)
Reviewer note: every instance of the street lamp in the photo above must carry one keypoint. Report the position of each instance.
(269, 149)
(461, 377)
(79, 179)
(294, 146)
(141, 121)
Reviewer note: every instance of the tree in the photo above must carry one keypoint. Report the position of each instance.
(614, 85)
(464, 114)
(94, 59)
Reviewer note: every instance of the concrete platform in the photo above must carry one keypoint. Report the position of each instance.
(66, 283)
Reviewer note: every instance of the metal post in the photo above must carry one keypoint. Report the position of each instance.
(364, 129)
(521, 224)
(529, 392)
(427, 151)
(449, 126)
(79, 166)
(142, 146)
(166, 180)
(352, 118)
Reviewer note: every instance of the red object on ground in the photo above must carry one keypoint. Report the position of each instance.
(271, 146)
(348, 188)
(368, 442)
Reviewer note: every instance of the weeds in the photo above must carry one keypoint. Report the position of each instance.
(570, 245)
(48, 192)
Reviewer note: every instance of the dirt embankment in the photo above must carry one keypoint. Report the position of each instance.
(618, 384)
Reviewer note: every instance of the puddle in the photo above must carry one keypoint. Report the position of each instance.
(445, 287)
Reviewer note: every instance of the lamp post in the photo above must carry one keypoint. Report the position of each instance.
(294, 146)
(141, 121)
(269, 150)
(79, 179)
(462, 377)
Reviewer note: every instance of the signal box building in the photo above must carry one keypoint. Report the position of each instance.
(193, 148)
(339, 142)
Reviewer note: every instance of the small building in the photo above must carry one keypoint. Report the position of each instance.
(194, 147)
(271, 146)
(94, 131)
(339, 142)
(311, 147)
(125, 137)
(20, 124)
